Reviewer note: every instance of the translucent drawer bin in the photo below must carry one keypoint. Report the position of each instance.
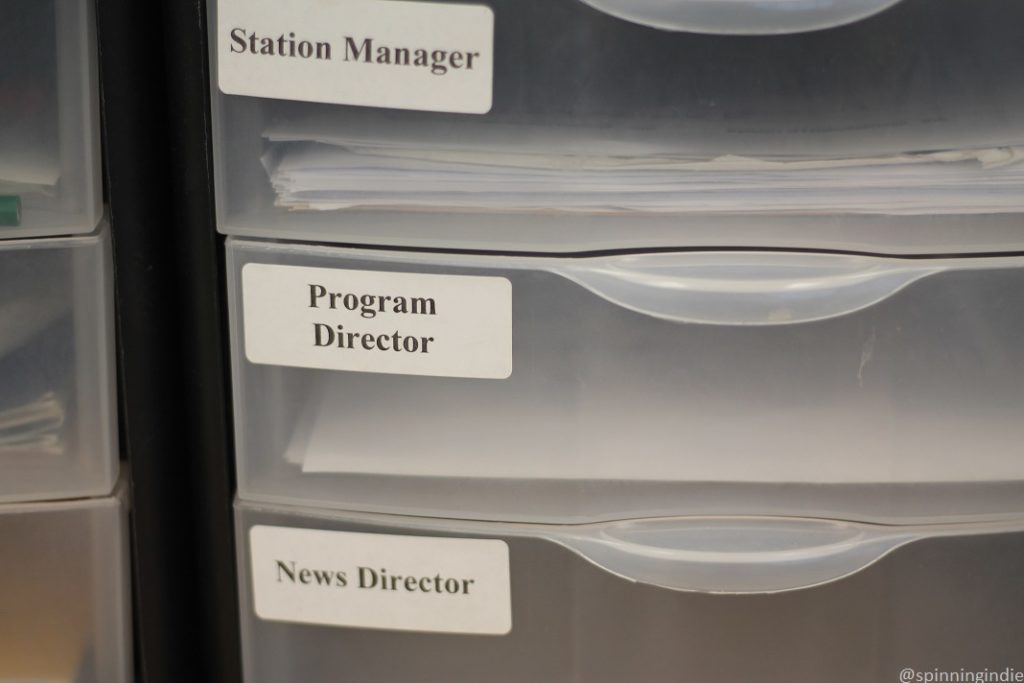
(49, 118)
(57, 405)
(64, 587)
(545, 389)
(612, 126)
(930, 603)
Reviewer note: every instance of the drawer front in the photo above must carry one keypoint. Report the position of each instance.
(50, 182)
(837, 387)
(609, 132)
(939, 604)
(65, 592)
(57, 408)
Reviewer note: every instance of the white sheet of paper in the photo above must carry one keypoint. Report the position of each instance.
(24, 171)
(474, 432)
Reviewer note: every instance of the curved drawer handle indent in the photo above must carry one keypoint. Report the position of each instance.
(744, 288)
(734, 555)
(742, 17)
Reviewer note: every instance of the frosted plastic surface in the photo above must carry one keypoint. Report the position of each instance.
(841, 387)
(57, 405)
(946, 602)
(743, 17)
(49, 117)
(64, 587)
(574, 81)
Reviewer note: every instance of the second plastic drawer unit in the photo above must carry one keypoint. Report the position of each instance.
(64, 591)
(334, 596)
(49, 118)
(493, 387)
(57, 407)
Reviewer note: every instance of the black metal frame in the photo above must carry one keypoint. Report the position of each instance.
(172, 339)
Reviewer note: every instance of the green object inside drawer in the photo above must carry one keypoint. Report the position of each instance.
(10, 210)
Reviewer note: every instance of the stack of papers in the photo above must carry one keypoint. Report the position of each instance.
(494, 167)
(33, 427)
(33, 365)
(321, 177)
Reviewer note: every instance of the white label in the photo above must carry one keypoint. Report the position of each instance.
(374, 53)
(402, 583)
(374, 321)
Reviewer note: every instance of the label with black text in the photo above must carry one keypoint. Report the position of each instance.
(376, 53)
(378, 321)
(381, 581)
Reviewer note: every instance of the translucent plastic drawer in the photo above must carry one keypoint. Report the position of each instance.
(616, 124)
(541, 389)
(64, 587)
(49, 118)
(57, 402)
(639, 604)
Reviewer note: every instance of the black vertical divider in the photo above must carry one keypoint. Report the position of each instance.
(172, 339)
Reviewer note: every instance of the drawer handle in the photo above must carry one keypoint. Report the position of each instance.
(742, 288)
(741, 17)
(746, 555)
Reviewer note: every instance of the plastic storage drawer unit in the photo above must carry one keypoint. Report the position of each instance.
(57, 409)
(544, 389)
(49, 118)
(774, 601)
(609, 122)
(64, 588)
